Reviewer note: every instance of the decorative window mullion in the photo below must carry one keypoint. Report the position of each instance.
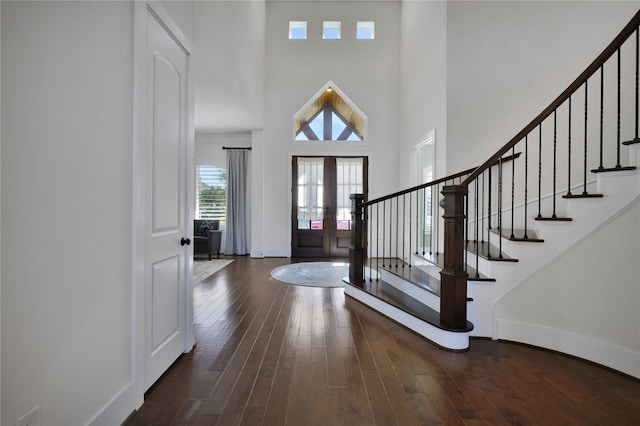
(327, 110)
(308, 131)
(346, 132)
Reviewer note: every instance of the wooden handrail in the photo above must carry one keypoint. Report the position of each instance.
(564, 96)
(433, 182)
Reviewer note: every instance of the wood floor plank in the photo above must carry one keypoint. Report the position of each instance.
(336, 376)
(276, 409)
(266, 375)
(300, 390)
(353, 400)
(295, 355)
(318, 411)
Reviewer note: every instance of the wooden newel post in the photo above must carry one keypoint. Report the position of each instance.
(356, 248)
(453, 278)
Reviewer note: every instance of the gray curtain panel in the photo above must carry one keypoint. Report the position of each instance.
(237, 217)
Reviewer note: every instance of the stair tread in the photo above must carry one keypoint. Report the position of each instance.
(612, 169)
(582, 195)
(394, 297)
(416, 276)
(553, 219)
(519, 235)
(632, 141)
(438, 260)
(488, 251)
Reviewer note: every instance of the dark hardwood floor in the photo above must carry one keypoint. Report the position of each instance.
(269, 353)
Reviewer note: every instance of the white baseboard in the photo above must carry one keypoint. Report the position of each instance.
(585, 347)
(446, 339)
(276, 253)
(129, 399)
(258, 254)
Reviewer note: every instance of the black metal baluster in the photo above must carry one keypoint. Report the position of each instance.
(489, 215)
(424, 221)
(437, 219)
(378, 241)
(586, 120)
(477, 229)
(384, 233)
(636, 139)
(500, 208)
(466, 222)
(404, 221)
(418, 220)
(410, 230)
(526, 184)
(618, 165)
(513, 188)
(369, 216)
(431, 225)
(540, 173)
(482, 204)
(601, 117)
(569, 153)
(397, 228)
(475, 210)
(466, 232)
(555, 145)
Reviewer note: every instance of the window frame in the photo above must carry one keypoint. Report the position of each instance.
(331, 26)
(218, 212)
(298, 25)
(366, 25)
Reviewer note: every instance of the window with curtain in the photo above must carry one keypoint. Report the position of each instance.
(211, 192)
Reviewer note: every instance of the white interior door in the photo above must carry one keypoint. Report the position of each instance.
(166, 207)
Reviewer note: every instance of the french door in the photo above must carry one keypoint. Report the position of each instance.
(320, 206)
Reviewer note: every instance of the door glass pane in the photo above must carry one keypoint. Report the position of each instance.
(310, 193)
(348, 181)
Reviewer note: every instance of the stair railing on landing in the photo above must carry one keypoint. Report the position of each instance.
(550, 158)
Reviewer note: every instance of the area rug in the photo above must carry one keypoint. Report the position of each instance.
(312, 274)
(203, 268)
(315, 274)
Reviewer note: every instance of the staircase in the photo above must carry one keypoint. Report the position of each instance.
(469, 254)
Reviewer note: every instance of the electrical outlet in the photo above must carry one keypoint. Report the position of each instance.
(32, 418)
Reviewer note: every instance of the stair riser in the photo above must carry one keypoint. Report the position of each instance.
(423, 296)
(446, 339)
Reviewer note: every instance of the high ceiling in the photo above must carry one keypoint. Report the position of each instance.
(228, 66)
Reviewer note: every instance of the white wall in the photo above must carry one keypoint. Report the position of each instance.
(1, 381)
(208, 149)
(506, 61)
(587, 311)
(366, 71)
(229, 65)
(183, 14)
(424, 81)
(66, 207)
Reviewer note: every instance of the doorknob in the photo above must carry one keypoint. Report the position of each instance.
(184, 241)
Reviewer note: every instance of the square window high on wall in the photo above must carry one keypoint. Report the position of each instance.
(331, 30)
(365, 30)
(297, 30)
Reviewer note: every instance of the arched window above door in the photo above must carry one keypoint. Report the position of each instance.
(330, 116)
